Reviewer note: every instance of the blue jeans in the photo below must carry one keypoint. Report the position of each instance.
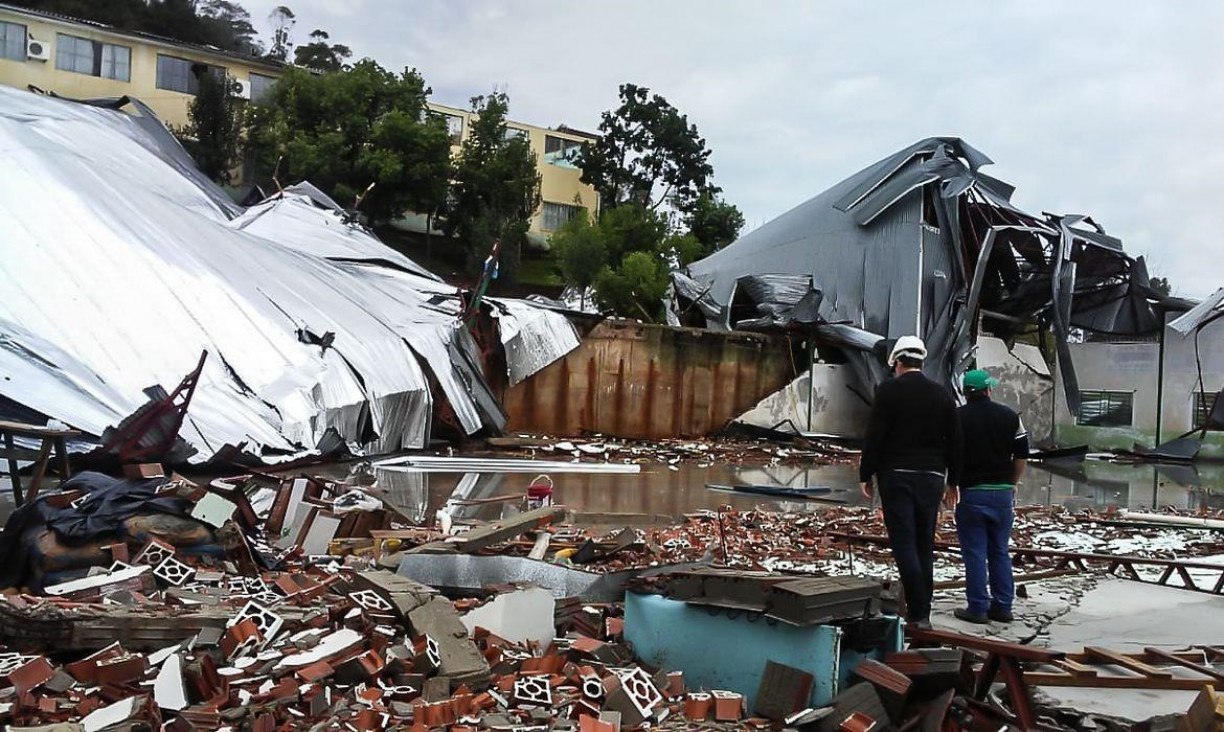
(984, 524)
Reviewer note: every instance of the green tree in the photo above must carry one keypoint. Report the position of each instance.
(581, 253)
(221, 23)
(714, 223)
(1161, 285)
(283, 21)
(226, 24)
(495, 188)
(635, 288)
(213, 133)
(347, 130)
(647, 154)
(321, 56)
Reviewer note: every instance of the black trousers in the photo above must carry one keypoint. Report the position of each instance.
(911, 512)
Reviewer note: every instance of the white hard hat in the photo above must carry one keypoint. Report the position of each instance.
(908, 346)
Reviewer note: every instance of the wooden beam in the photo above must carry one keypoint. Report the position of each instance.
(1181, 661)
(1127, 662)
(487, 536)
(1039, 678)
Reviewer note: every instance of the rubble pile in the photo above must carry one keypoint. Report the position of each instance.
(262, 603)
(817, 541)
(700, 452)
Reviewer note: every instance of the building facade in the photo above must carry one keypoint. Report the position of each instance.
(1144, 392)
(82, 59)
(563, 194)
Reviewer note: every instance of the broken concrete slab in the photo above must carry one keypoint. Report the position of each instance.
(460, 658)
(521, 615)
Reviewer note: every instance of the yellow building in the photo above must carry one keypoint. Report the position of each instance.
(562, 192)
(82, 59)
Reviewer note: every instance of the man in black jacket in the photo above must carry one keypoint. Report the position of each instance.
(996, 446)
(912, 450)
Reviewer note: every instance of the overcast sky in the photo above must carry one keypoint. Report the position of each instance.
(1114, 109)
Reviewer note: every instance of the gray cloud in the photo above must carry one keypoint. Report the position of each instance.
(1106, 108)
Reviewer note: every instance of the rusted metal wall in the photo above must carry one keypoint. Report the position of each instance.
(652, 381)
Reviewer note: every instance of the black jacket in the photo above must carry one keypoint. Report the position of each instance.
(994, 437)
(913, 427)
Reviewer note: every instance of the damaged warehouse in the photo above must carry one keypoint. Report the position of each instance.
(923, 242)
(122, 264)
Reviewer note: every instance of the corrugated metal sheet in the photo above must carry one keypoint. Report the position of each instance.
(118, 270)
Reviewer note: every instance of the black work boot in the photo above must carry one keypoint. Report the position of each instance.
(963, 614)
(999, 615)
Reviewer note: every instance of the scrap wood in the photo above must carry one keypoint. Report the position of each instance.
(486, 536)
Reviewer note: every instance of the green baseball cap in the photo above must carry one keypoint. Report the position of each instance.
(979, 380)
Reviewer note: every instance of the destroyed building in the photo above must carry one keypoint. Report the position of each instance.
(122, 264)
(923, 242)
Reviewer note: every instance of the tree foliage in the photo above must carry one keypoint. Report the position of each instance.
(580, 251)
(714, 223)
(213, 134)
(283, 21)
(221, 23)
(647, 154)
(346, 130)
(320, 55)
(495, 188)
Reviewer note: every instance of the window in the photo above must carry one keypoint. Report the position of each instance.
(83, 56)
(454, 127)
(116, 62)
(181, 75)
(12, 41)
(515, 133)
(560, 151)
(556, 214)
(1106, 409)
(1202, 408)
(261, 86)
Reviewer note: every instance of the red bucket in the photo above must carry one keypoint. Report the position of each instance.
(539, 493)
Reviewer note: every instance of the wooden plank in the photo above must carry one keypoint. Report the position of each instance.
(1127, 662)
(1041, 678)
(33, 430)
(40, 471)
(487, 536)
(1075, 668)
(14, 475)
(1181, 661)
(986, 645)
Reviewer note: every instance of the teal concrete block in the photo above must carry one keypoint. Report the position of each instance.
(721, 649)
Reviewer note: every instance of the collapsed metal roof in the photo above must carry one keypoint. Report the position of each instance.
(923, 242)
(119, 268)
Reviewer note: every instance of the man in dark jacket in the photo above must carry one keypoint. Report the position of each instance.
(912, 451)
(996, 446)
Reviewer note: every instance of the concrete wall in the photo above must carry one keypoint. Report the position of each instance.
(170, 106)
(831, 407)
(651, 381)
(1134, 367)
(1025, 383)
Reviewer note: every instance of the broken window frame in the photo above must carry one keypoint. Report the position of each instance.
(1103, 408)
